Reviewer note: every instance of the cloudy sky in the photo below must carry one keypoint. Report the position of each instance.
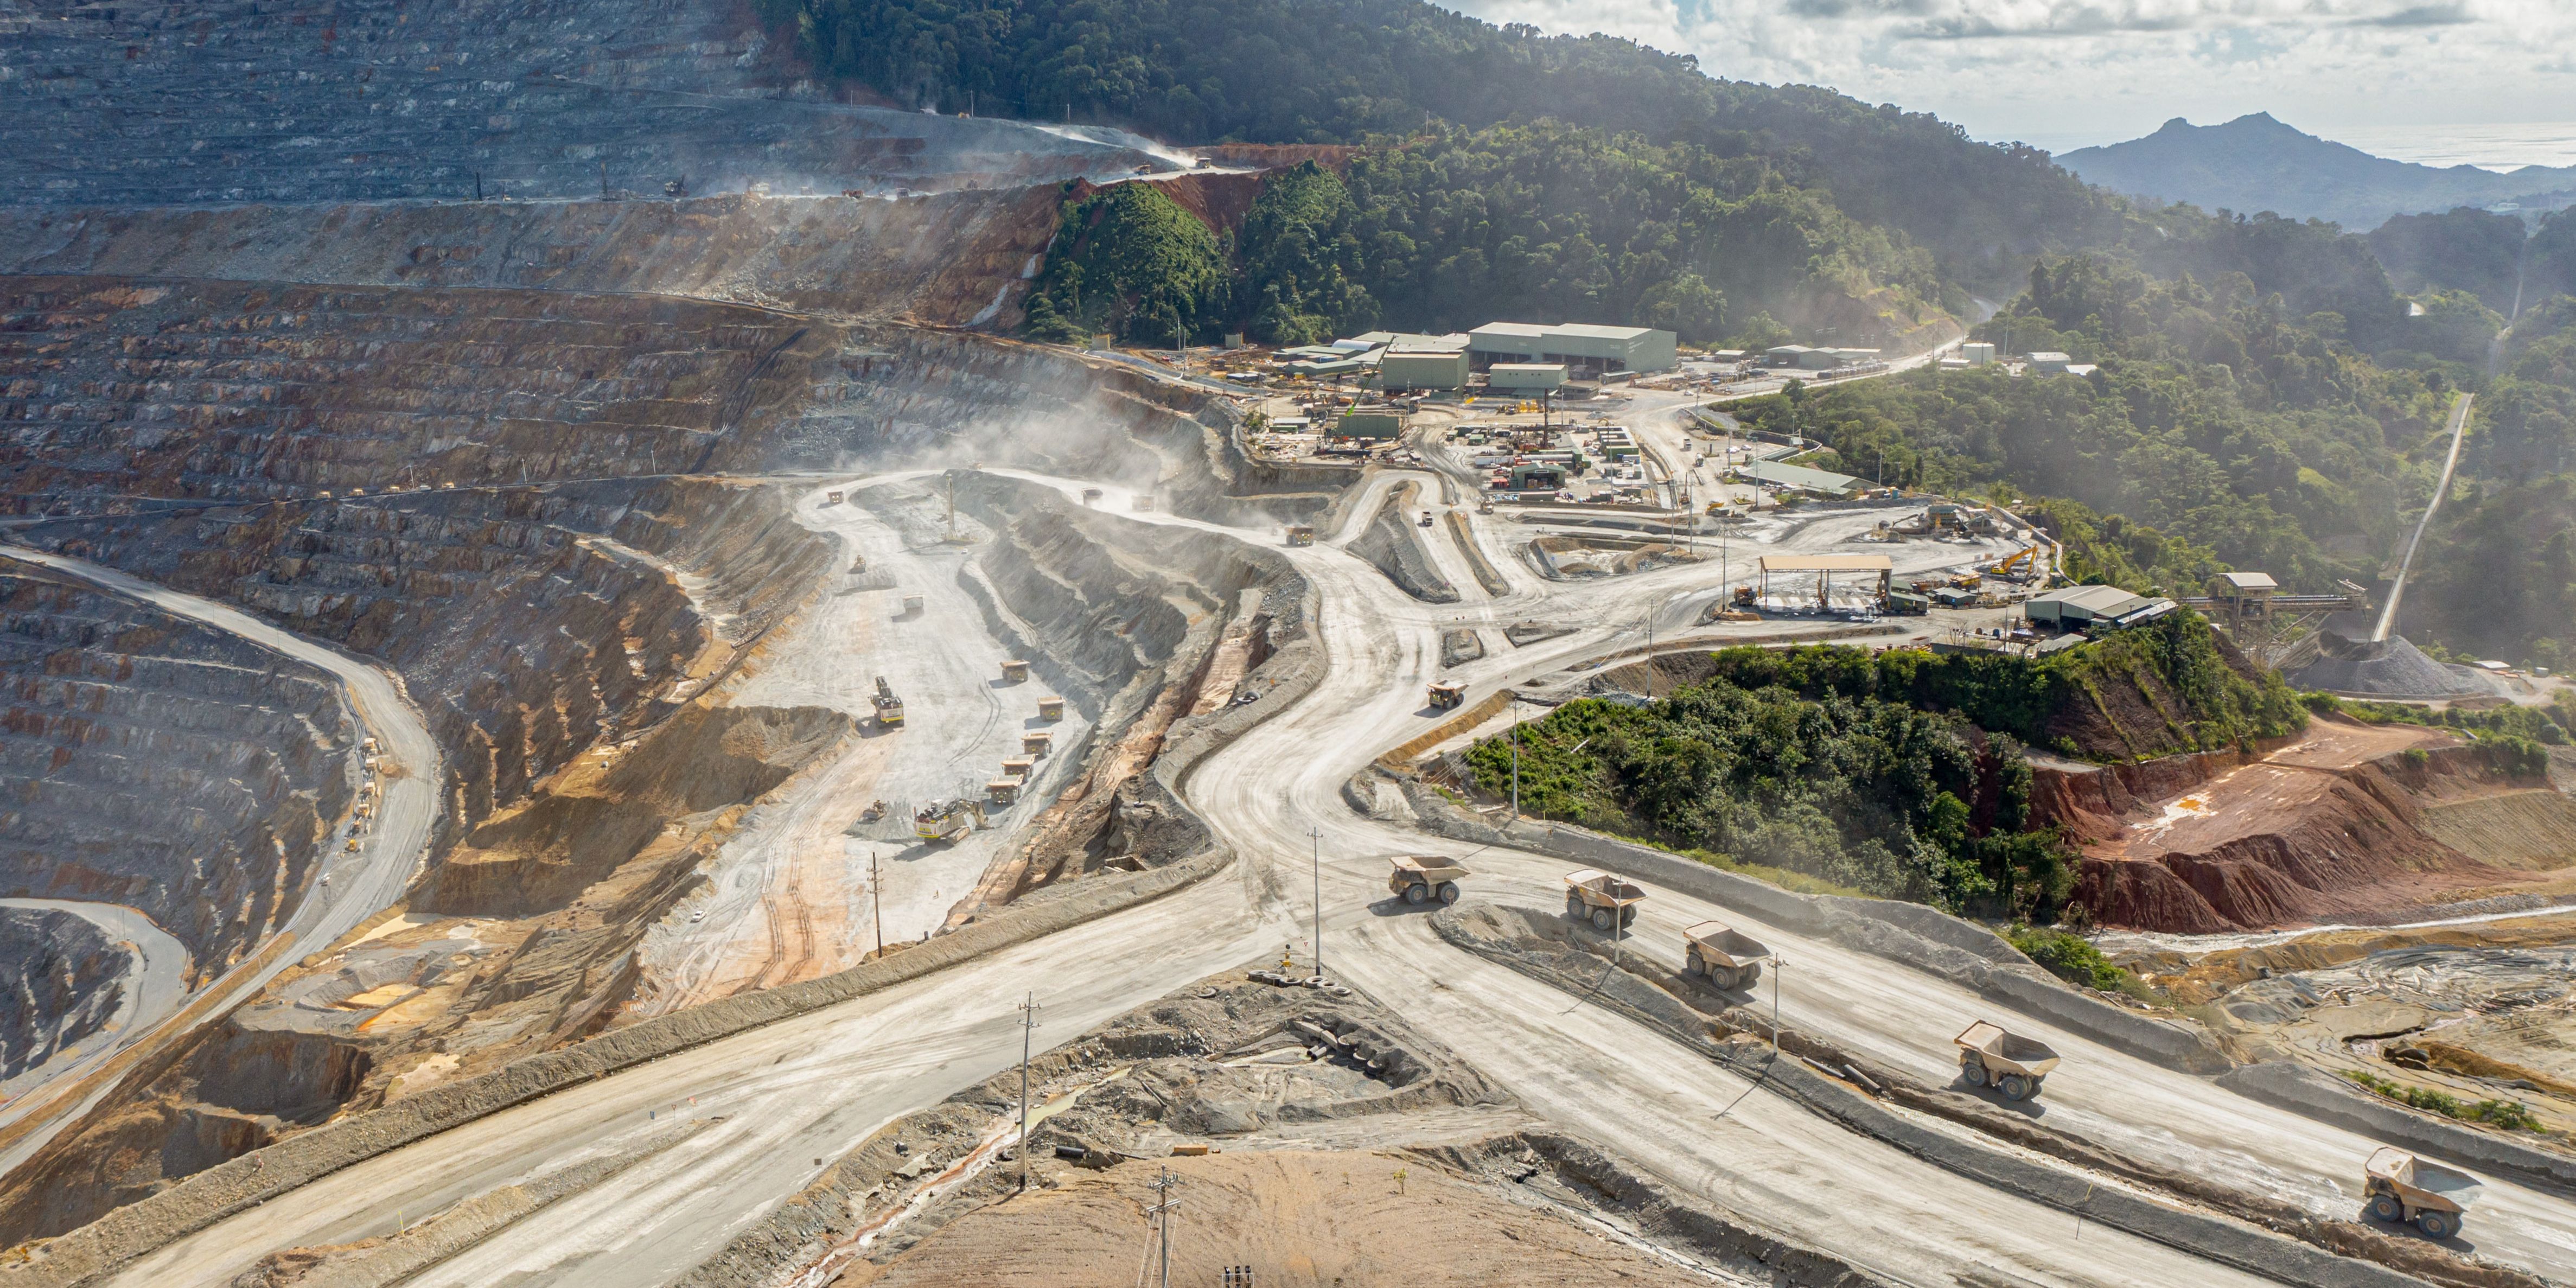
(2065, 73)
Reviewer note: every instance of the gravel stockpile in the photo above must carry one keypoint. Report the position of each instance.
(2393, 667)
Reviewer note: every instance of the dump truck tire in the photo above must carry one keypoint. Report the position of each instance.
(1972, 1067)
(1751, 971)
(1574, 907)
(2015, 1087)
(2385, 1207)
(1417, 896)
(2438, 1225)
(1448, 893)
(1602, 920)
(1727, 978)
(1627, 917)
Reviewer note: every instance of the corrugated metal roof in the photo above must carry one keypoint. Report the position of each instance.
(1800, 476)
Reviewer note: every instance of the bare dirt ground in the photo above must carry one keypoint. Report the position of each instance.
(789, 898)
(2357, 823)
(1301, 1218)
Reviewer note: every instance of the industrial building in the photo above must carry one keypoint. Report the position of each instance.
(1978, 352)
(1407, 369)
(2049, 363)
(1808, 358)
(1525, 377)
(2090, 607)
(1584, 349)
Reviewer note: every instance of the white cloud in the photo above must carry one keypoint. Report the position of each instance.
(2067, 72)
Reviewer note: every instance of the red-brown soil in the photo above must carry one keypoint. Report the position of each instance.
(2331, 826)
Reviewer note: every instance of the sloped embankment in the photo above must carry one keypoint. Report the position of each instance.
(1165, 629)
(2332, 826)
(149, 761)
(519, 941)
(59, 978)
(1389, 543)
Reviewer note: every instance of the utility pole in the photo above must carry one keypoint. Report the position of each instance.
(1028, 1026)
(1315, 835)
(1162, 1214)
(876, 905)
(1516, 773)
(1776, 963)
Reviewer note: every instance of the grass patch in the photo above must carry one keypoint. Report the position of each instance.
(1787, 879)
(2511, 1115)
(2073, 958)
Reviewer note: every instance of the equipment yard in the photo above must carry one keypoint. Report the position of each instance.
(711, 749)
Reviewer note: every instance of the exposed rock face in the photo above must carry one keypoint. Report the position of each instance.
(319, 100)
(58, 984)
(149, 761)
(957, 258)
(2330, 828)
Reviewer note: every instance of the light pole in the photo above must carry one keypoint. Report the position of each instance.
(1316, 858)
(1028, 1026)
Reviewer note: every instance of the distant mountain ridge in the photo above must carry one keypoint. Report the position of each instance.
(2256, 163)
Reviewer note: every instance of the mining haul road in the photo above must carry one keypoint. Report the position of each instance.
(361, 884)
(795, 1095)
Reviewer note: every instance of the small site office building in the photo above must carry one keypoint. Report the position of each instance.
(1583, 350)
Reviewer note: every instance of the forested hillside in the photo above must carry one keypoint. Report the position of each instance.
(2266, 400)
(1347, 71)
(1458, 227)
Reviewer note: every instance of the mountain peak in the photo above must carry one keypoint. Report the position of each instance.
(2256, 162)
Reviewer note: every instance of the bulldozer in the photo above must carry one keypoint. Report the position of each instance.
(889, 707)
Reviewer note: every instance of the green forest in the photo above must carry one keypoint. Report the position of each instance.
(1455, 229)
(2268, 401)
(1894, 773)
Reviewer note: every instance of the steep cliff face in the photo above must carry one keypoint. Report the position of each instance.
(58, 984)
(148, 761)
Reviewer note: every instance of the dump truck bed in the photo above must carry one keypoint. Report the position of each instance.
(2007, 1051)
(1603, 888)
(1730, 947)
(2424, 1184)
(1430, 867)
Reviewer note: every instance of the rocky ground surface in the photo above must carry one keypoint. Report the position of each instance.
(63, 979)
(1306, 1133)
(2346, 823)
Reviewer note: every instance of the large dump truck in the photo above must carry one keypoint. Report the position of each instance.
(1605, 900)
(2402, 1187)
(945, 820)
(1726, 957)
(1300, 534)
(2011, 1064)
(1421, 878)
(1446, 694)
(889, 707)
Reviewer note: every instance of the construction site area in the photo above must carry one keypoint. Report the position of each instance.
(580, 712)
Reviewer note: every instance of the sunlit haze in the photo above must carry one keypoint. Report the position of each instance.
(2065, 74)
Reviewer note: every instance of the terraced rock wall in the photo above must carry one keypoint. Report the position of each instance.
(150, 762)
(318, 100)
(58, 984)
(957, 258)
